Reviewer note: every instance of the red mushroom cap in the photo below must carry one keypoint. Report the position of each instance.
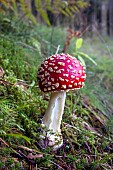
(61, 72)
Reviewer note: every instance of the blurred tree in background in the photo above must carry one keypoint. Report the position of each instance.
(77, 14)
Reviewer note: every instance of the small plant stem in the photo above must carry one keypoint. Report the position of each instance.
(57, 49)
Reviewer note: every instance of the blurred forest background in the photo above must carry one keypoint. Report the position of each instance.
(30, 31)
(79, 15)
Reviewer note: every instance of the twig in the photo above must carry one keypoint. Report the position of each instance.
(27, 46)
(1, 140)
(56, 164)
(57, 49)
(68, 125)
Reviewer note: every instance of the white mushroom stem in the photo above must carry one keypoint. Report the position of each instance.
(53, 116)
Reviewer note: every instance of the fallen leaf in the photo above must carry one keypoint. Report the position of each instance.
(31, 156)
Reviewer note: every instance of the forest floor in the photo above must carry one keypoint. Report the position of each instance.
(87, 125)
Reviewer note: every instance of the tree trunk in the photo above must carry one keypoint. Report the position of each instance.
(110, 17)
(104, 17)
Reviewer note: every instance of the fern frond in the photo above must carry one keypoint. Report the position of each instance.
(49, 6)
(2, 11)
(27, 11)
(8, 5)
(66, 7)
(42, 11)
(14, 5)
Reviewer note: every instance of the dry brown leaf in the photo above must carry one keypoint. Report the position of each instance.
(31, 156)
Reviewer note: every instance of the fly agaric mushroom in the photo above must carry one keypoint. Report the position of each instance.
(58, 74)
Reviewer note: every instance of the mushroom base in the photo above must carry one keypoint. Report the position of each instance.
(55, 140)
(50, 139)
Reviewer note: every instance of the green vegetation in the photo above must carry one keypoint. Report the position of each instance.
(67, 8)
(87, 125)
